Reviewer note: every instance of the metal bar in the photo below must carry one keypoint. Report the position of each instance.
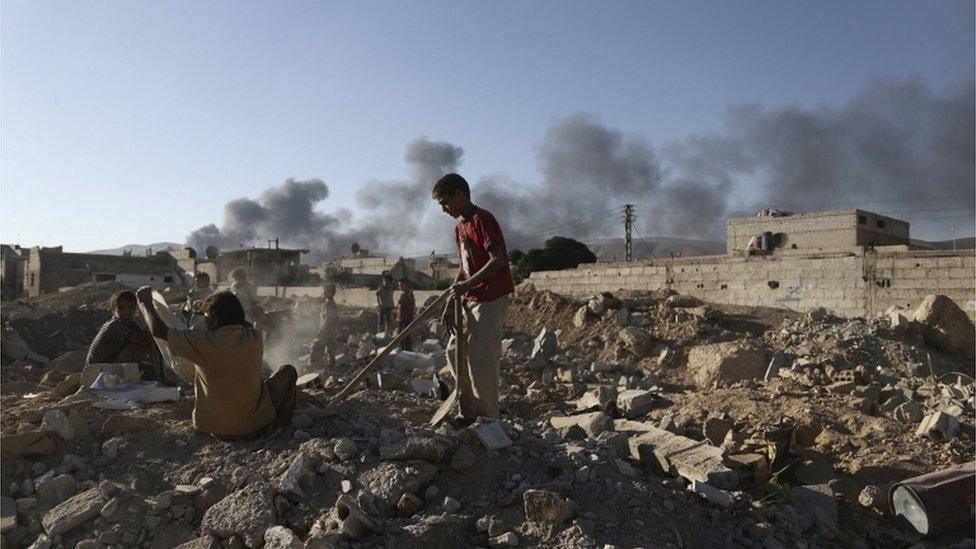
(375, 363)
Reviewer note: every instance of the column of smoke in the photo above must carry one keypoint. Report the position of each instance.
(895, 140)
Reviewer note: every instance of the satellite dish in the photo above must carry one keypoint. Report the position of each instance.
(212, 252)
(355, 248)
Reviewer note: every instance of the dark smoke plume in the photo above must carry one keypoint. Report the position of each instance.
(893, 147)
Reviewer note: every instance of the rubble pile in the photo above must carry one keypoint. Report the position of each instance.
(629, 420)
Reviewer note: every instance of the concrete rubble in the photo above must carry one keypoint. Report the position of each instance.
(632, 419)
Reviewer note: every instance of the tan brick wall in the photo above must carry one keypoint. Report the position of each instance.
(849, 284)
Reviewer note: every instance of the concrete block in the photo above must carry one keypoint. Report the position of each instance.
(938, 427)
(634, 403)
(689, 458)
(711, 493)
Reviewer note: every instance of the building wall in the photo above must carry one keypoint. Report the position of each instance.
(849, 283)
(49, 269)
(819, 231)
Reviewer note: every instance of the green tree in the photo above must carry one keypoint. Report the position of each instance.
(556, 254)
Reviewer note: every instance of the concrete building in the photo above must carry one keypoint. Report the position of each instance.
(815, 231)
(442, 269)
(265, 266)
(13, 264)
(49, 269)
(366, 270)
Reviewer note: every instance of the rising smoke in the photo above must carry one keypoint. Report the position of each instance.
(892, 145)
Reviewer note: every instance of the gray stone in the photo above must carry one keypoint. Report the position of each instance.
(726, 363)
(635, 338)
(246, 513)
(204, 542)
(464, 458)
(110, 448)
(715, 429)
(600, 398)
(408, 505)
(389, 480)
(581, 316)
(813, 498)
(592, 423)
(279, 537)
(622, 317)
(415, 447)
(689, 458)
(711, 493)
(73, 512)
(492, 436)
(873, 498)
(14, 347)
(634, 403)
(345, 449)
(56, 489)
(546, 506)
(451, 505)
(546, 344)
(56, 419)
(298, 471)
(423, 386)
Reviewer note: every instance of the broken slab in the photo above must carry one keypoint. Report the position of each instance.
(74, 512)
(711, 493)
(307, 381)
(634, 403)
(546, 344)
(247, 513)
(680, 455)
(424, 387)
(428, 449)
(56, 420)
(775, 364)
(291, 481)
(492, 436)
(938, 427)
(600, 398)
(726, 363)
(592, 423)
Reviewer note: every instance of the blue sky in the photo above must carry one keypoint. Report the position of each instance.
(126, 122)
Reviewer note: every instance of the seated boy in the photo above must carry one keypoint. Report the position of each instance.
(232, 400)
(120, 339)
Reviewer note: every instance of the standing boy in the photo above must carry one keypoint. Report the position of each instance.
(325, 340)
(405, 311)
(483, 282)
(246, 292)
(384, 303)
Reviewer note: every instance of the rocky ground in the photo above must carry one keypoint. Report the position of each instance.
(631, 420)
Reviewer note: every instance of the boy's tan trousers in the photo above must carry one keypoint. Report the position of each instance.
(477, 380)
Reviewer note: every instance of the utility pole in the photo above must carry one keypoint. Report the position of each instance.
(952, 230)
(628, 224)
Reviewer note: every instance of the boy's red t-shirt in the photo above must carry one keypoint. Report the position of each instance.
(474, 236)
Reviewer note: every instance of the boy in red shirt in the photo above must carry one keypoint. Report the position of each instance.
(484, 282)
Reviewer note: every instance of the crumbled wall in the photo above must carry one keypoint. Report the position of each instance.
(848, 283)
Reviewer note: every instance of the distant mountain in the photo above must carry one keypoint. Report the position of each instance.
(612, 249)
(967, 243)
(140, 249)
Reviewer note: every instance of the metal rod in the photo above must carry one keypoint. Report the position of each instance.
(375, 363)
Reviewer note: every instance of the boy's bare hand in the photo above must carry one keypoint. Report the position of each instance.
(447, 318)
(460, 288)
(144, 295)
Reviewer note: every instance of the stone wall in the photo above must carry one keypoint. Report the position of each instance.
(849, 283)
(349, 297)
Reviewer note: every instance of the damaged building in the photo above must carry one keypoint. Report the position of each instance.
(48, 270)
